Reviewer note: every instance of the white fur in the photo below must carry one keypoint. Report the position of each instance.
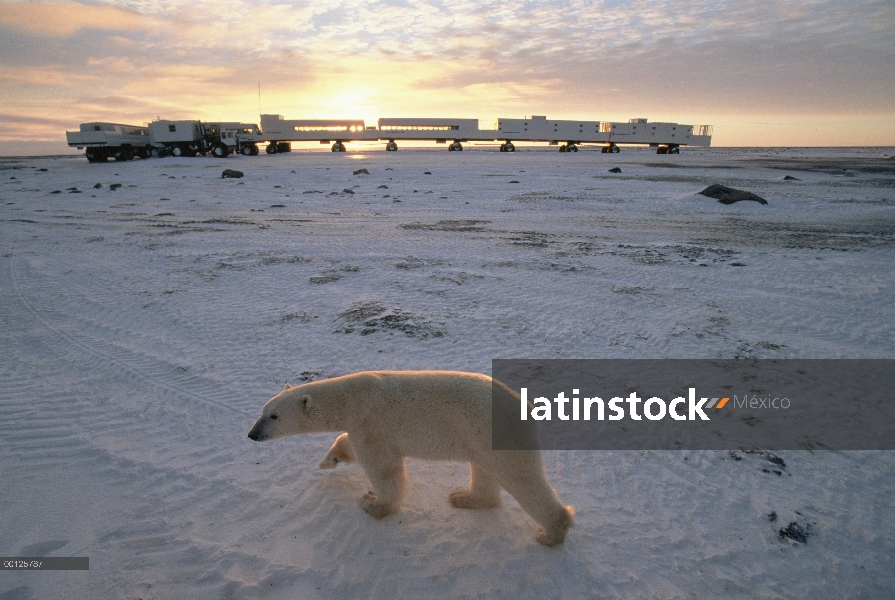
(341, 452)
(438, 415)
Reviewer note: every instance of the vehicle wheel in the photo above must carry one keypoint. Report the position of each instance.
(615, 149)
(391, 147)
(283, 147)
(176, 151)
(92, 156)
(246, 150)
(255, 150)
(563, 148)
(124, 154)
(661, 150)
(573, 148)
(674, 150)
(503, 147)
(272, 148)
(220, 151)
(511, 147)
(455, 147)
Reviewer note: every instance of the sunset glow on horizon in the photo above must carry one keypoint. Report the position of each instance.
(764, 73)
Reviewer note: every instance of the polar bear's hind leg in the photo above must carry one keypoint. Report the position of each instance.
(483, 491)
(523, 476)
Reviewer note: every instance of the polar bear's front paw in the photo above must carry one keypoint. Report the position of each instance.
(372, 507)
(462, 497)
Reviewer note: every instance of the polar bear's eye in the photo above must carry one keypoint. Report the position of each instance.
(273, 417)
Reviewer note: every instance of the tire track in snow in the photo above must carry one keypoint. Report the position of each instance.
(140, 367)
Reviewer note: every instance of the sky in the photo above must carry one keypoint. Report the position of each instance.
(762, 72)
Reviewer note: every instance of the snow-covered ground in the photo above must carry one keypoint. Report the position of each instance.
(143, 328)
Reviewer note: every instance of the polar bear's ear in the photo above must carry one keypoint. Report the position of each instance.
(287, 386)
(306, 401)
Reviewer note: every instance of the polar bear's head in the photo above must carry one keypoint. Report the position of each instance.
(292, 411)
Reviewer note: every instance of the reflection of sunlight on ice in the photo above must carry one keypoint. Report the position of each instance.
(357, 156)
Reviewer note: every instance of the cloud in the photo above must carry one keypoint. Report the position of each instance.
(55, 19)
(609, 59)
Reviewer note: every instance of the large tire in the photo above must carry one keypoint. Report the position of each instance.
(271, 148)
(177, 151)
(255, 150)
(573, 148)
(220, 151)
(94, 157)
(146, 152)
(661, 150)
(391, 146)
(510, 147)
(674, 150)
(246, 150)
(563, 148)
(615, 149)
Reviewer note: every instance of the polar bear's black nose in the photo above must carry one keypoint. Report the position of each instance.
(255, 433)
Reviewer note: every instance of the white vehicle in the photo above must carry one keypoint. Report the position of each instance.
(667, 138)
(279, 132)
(439, 129)
(189, 138)
(111, 140)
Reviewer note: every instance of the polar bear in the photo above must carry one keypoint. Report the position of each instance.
(341, 452)
(435, 415)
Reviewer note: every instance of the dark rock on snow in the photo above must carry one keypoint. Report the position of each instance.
(615, 170)
(726, 195)
(795, 532)
(231, 174)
